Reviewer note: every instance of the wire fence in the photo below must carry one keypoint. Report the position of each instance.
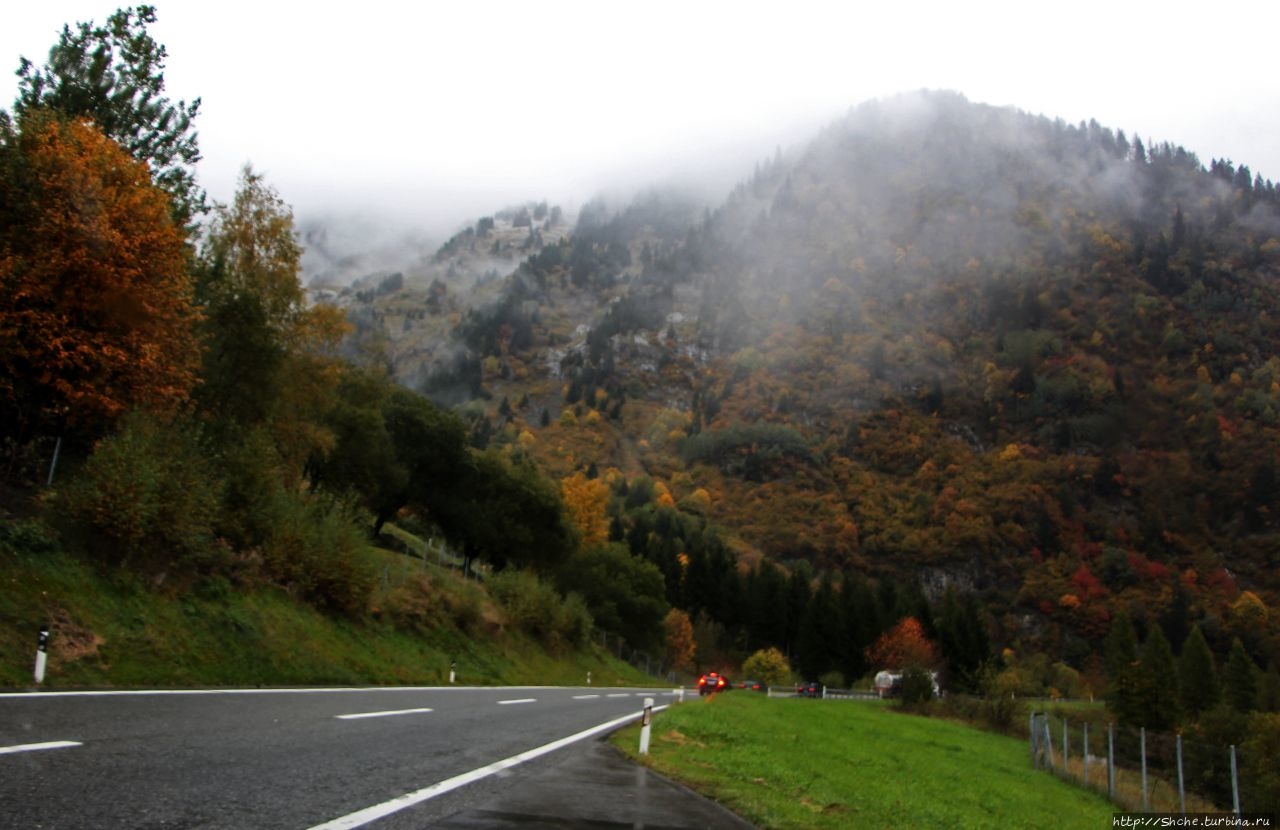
(1137, 769)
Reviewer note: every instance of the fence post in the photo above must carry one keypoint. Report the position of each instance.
(1048, 742)
(1086, 753)
(1066, 749)
(1235, 783)
(1111, 761)
(1143, 734)
(1182, 792)
(1031, 732)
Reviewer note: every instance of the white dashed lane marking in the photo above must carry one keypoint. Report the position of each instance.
(358, 715)
(10, 750)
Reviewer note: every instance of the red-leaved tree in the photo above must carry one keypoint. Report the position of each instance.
(903, 646)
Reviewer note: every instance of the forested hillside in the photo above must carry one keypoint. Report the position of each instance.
(951, 386)
(944, 345)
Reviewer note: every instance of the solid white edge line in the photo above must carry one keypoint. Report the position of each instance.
(292, 691)
(370, 814)
(9, 750)
(389, 713)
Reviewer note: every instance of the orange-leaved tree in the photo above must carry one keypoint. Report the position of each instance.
(681, 647)
(902, 647)
(96, 312)
(586, 501)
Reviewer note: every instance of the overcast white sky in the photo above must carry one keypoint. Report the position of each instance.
(453, 109)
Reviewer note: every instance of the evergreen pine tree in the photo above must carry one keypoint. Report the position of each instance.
(1158, 681)
(1269, 690)
(1197, 675)
(1240, 679)
(1121, 654)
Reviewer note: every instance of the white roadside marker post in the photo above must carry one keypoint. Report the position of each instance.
(453, 671)
(42, 653)
(645, 725)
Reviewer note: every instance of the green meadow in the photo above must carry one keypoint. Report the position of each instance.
(811, 764)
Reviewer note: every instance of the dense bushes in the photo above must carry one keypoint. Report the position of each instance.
(537, 609)
(147, 493)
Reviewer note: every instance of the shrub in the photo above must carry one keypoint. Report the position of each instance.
(28, 536)
(147, 493)
(537, 609)
(1261, 773)
(769, 666)
(317, 548)
(917, 687)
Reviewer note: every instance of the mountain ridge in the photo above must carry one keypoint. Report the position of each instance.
(944, 341)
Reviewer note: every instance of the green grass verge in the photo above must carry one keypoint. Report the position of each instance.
(809, 764)
(113, 630)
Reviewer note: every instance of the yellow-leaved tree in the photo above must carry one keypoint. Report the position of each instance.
(586, 500)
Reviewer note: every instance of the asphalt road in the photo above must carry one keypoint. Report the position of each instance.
(297, 759)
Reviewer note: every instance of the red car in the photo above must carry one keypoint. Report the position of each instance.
(711, 682)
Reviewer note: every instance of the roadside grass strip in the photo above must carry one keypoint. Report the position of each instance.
(395, 805)
(387, 714)
(12, 750)
(794, 764)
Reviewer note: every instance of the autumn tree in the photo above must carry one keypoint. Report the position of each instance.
(270, 357)
(585, 500)
(96, 313)
(681, 648)
(113, 74)
(903, 646)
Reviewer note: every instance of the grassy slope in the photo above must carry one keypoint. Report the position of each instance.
(111, 630)
(805, 764)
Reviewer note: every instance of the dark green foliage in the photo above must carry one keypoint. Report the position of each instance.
(1239, 679)
(243, 356)
(114, 75)
(147, 497)
(1260, 774)
(503, 512)
(1124, 694)
(1197, 675)
(962, 638)
(917, 687)
(624, 593)
(316, 549)
(751, 451)
(818, 637)
(1158, 682)
(534, 607)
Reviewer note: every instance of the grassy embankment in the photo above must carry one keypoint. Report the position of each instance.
(809, 765)
(113, 629)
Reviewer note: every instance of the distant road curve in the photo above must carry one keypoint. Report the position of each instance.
(278, 758)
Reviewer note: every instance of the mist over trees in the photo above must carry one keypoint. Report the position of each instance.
(954, 387)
